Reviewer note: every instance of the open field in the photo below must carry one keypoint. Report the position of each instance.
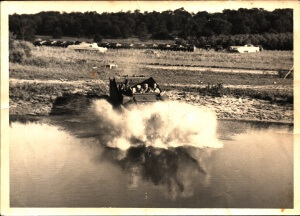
(57, 71)
(49, 62)
(266, 60)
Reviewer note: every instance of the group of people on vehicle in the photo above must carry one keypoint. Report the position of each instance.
(146, 89)
(125, 88)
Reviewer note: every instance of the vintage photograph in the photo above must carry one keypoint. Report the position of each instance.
(151, 105)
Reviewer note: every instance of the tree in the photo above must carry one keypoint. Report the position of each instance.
(163, 35)
(282, 25)
(22, 27)
(114, 31)
(142, 31)
(57, 33)
(219, 26)
(158, 24)
(97, 38)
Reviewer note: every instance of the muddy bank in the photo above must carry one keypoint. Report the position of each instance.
(37, 97)
(227, 107)
(40, 98)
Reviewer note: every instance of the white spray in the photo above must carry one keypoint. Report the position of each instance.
(160, 125)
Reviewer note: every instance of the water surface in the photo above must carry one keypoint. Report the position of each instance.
(62, 162)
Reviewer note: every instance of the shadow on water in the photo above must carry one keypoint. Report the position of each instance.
(174, 169)
(171, 168)
(73, 104)
(23, 119)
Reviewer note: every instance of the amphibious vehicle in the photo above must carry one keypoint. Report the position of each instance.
(135, 90)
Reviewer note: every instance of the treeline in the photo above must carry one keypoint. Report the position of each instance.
(269, 41)
(155, 25)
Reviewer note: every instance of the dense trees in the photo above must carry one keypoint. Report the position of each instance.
(156, 25)
(270, 41)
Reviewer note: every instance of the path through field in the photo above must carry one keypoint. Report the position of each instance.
(217, 70)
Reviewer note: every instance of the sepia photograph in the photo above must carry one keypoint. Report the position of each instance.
(149, 107)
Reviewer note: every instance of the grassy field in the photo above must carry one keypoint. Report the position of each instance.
(49, 63)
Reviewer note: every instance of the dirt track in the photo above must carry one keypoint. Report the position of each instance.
(217, 70)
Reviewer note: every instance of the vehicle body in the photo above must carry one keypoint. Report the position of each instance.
(37, 42)
(125, 97)
(207, 47)
(88, 47)
(46, 43)
(249, 48)
(219, 48)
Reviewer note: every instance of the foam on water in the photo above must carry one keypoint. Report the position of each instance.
(160, 125)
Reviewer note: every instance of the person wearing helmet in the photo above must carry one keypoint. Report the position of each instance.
(146, 88)
(155, 88)
(139, 89)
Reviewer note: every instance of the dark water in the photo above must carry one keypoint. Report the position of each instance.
(61, 161)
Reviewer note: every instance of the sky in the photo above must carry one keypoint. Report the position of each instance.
(32, 7)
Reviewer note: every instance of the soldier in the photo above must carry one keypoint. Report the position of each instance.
(139, 89)
(155, 88)
(125, 86)
(146, 88)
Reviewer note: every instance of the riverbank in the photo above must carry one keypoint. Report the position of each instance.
(242, 108)
(235, 86)
(31, 97)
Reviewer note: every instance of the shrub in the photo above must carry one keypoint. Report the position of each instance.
(37, 61)
(218, 90)
(17, 56)
(213, 90)
(19, 50)
(26, 46)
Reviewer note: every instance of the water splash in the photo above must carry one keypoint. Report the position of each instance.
(160, 125)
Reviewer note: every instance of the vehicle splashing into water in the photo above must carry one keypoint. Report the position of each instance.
(167, 143)
(164, 154)
(160, 125)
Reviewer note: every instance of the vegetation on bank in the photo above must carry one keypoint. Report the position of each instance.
(19, 51)
(219, 90)
(64, 99)
(48, 92)
(26, 91)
